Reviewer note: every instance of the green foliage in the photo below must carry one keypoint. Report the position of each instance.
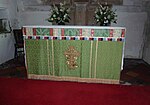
(59, 14)
(104, 15)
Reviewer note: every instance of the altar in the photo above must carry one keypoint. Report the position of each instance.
(74, 53)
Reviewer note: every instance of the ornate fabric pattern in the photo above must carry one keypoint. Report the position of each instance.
(117, 33)
(72, 32)
(86, 32)
(37, 57)
(56, 32)
(43, 59)
(71, 57)
(42, 31)
(96, 54)
(29, 31)
(75, 38)
(101, 33)
(75, 32)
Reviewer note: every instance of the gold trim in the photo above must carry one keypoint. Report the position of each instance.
(90, 66)
(74, 79)
(95, 59)
(53, 57)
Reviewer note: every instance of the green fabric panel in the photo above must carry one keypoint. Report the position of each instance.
(40, 59)
(57, 56)
(43, 64)
(42, 31)
(31, 57)
(50, 60)
(36, 54)
(85, 59)
(109, 60)
(71, 32)
(101, 33)
(64, 70)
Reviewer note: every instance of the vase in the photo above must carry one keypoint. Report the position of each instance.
(105, 24)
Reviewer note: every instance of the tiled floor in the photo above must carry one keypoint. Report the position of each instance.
(135, 72)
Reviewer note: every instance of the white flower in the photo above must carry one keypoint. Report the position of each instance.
(61, 10)
(58, 18)
(65, 15)
(57, 12)
(54, 15)
(106, 21)
(61, 4)
(101, 6)
(97, 16)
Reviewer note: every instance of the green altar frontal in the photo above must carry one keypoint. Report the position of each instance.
(74, 53)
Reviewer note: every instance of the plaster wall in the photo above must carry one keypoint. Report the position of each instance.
(3, 13)
(3, 4)
(8, 9)
(134, 23)
(34, 18)
(146, 55)
(3, 9)
(7, 41)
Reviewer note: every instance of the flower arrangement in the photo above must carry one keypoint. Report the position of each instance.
(104, 15)
(59, 14)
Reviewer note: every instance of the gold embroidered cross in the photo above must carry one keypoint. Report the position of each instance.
(71, 57)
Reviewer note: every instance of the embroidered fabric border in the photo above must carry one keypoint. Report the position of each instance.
(74, 79)
(74, 32)
(120, 39)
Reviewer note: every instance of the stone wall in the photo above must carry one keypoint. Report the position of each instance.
(146, 49)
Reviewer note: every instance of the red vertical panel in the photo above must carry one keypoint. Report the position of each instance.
(80, 32)
(51, 31)
(92, 32)
(123, 33)
(62, 32)
(34, 31)
(111, 32)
